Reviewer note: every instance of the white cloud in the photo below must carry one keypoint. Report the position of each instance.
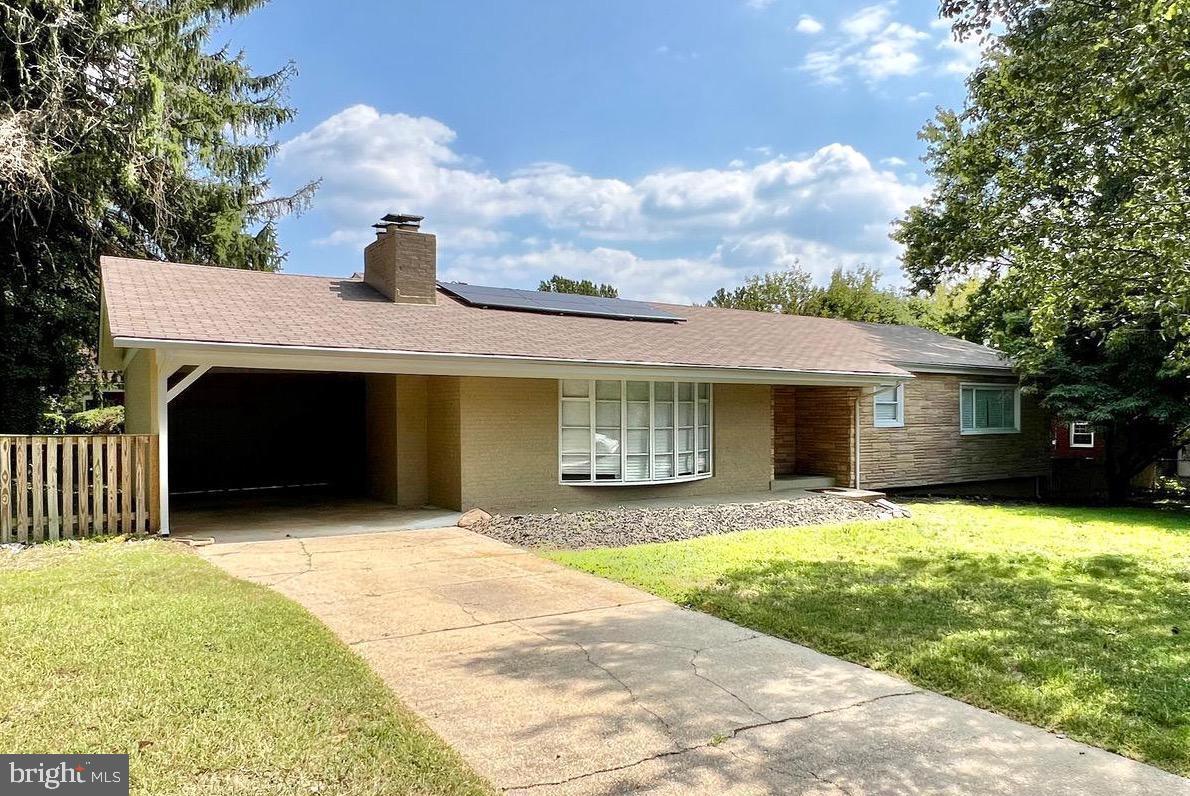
(808, 25)
(758, 5)
(869, 44)
(893, 162)
(666, 50)
(677, 279)
(776, 250)
(866, 22)
(961, 57)
(828, 207)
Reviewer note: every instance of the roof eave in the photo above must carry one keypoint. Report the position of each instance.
(282, 357)
(960, 369)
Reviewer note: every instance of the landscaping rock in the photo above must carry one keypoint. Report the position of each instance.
(622, 526)
(473, 517)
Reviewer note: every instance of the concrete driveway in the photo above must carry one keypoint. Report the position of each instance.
(553, 681)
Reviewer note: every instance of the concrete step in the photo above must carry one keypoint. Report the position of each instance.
(865, 495)
(790, 483)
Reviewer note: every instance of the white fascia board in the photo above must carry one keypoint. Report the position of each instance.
(971, 370)
(353, 360)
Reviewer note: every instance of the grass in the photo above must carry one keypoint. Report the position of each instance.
(210, 684)
(1076, 620)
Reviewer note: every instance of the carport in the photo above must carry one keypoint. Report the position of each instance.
(251, 431)
(260, 442)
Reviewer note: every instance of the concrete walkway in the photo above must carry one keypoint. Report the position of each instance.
(553, 681)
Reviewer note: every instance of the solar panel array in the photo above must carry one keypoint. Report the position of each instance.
(508, 298)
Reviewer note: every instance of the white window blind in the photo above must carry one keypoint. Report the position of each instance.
(629, 431)
(988, 409)
(889, 406)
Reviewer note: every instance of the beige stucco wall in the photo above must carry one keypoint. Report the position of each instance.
(929, 448)
(509, 447)
(140, 415)
(140, 394)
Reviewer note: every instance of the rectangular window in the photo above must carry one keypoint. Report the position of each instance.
(1082, 435)
(614, 431)
(889, 406)
(989, 409)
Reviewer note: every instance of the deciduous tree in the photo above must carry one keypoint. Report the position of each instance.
(1067, 175)
(583, 287)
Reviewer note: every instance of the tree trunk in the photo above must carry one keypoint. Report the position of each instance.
(1116, 470)
(1119, 487)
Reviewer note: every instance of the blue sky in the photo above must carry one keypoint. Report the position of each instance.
(670, 148)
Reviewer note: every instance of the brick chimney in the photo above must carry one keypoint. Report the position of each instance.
(402, 263)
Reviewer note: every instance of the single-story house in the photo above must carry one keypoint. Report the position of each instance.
(420, 392)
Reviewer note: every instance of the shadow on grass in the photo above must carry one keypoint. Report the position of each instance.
(1098, 646)
(1073, 645)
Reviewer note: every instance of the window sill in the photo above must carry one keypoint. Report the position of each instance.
(889, 424)
(684, 479)
(976, 432)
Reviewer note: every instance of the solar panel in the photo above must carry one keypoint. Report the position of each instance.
(507, 298)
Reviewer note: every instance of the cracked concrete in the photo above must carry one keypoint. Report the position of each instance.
(550, 681)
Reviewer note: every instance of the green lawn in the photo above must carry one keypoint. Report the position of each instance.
(1071, 619)
(213, 685)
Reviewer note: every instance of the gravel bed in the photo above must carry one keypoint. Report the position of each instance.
(623, 526)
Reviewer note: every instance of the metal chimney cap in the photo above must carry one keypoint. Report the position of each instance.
(403, 220)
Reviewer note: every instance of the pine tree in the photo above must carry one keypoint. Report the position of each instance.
(121, 132)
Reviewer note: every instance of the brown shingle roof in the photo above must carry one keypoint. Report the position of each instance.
(170, 301)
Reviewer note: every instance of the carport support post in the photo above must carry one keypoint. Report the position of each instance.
(165, 394)
(162, 394)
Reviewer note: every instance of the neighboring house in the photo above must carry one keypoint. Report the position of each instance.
(418, 392)
(1077, 440)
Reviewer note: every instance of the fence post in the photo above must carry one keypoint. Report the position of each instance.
(5, 490)
(97, 484)
(68, 487)
(84, 471)
(52, 494)
(38, 530)
(22, 490)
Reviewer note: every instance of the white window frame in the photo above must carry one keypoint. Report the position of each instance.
(675, 428)
(898, 401)
(1090, 431)
(1016, 408)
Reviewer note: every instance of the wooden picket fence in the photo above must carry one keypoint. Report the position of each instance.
(70, 486)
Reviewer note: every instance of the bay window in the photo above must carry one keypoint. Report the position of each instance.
(620, 431)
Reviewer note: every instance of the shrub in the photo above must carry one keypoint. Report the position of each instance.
(106, 420)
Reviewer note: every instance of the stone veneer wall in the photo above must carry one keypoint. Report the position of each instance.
(929, 448)
(825, 421)
(784, 430)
